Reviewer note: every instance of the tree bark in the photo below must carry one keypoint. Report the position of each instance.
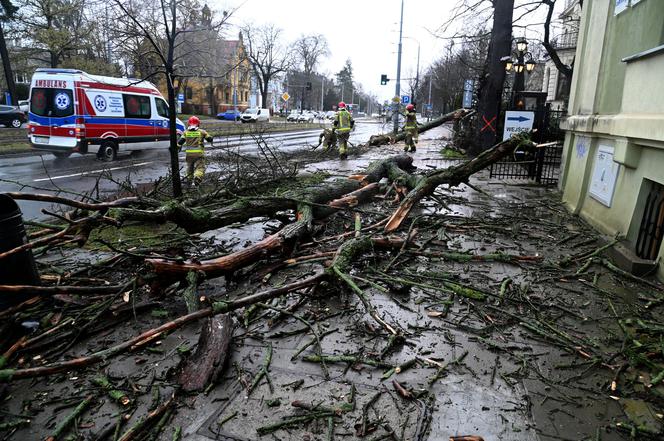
(377, 140)
(6, 64)
(206, 364)
(343, 193)
(491, 83)
(452, 176)
(546, 42)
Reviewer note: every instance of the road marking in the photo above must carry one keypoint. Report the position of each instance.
(73, 175)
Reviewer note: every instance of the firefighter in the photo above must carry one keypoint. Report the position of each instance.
(343, 123)
(410, 128)
(328, 138)
(193, 140)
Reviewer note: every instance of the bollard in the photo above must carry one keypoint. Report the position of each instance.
(18, 268)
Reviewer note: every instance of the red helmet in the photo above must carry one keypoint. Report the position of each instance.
(342, 105)
(410, 107)
(194, 121)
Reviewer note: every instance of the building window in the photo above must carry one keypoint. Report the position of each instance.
(651, 230)
(189, 93)
(228, 96)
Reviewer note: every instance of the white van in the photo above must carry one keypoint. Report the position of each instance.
(72, 111)
(255, 115)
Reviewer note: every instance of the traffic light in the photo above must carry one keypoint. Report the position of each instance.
(383, 80)
(308, 85)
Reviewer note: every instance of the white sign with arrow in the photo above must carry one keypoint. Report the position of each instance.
(516, 122)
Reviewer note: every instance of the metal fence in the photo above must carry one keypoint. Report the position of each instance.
(540, 164)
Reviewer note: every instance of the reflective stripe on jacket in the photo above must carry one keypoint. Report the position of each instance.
(411, 120)
(193, 140)
(343, 118)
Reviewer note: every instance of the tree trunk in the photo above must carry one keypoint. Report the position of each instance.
(546, 42)
(173, 149)
(491, 84)
(6, 64)
(206, 364)
(264, 91)
(377, 140)
(339, 194)
(452, 176)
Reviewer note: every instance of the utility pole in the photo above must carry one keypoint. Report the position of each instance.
(417, 73)
(322, 88)
(429, 102)
(397, 92)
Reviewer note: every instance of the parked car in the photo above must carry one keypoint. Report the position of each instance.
(12, 116)
(24, 105)
(330, 114)
(230, 115)
(255, 115)
(306, 117)
(293, 116)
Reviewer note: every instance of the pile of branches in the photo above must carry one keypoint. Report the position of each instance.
(133, 280)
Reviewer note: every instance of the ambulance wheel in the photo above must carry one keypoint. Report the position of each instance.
(108, 151)
(61, 155)
(16, 123)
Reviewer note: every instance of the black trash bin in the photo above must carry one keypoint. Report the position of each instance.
(18, 268)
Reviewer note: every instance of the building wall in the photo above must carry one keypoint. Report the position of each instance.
(619, 105)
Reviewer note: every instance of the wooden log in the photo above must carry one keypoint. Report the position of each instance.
(52, 290)
(7, 375)
(92, 206)
(197, 220)
(206, 364)
(377, 140)
(338, 194)
(452, 176)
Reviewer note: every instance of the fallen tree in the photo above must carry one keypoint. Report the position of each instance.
(391, 138)
(307, 209)
(452, 176)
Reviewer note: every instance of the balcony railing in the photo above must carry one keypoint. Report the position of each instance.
(566, 40)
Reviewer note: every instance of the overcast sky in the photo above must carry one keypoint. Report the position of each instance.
(366, 31)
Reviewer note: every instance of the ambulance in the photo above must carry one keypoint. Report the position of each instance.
(72, 111)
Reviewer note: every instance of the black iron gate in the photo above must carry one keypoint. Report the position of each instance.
(541, 164)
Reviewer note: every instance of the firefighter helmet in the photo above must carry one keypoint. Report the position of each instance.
(342, 105)
(410, 107)
(194, 121)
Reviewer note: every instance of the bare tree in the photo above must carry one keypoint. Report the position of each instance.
(563, 68)
(309, 50)
(7, 13)
(159, 28)
(267, 55)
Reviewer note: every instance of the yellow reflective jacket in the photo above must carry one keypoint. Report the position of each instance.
(343, 121)
(193, 139)
(411, 120)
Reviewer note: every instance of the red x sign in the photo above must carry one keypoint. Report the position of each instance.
(488, 123)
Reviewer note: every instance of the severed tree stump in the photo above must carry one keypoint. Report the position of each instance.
(207, 362)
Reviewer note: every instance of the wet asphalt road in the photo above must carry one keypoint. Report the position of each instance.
(79, 173)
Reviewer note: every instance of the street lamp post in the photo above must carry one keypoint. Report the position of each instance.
(397, 87)
(521, 61)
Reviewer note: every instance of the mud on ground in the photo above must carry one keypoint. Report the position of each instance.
(514, 325)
